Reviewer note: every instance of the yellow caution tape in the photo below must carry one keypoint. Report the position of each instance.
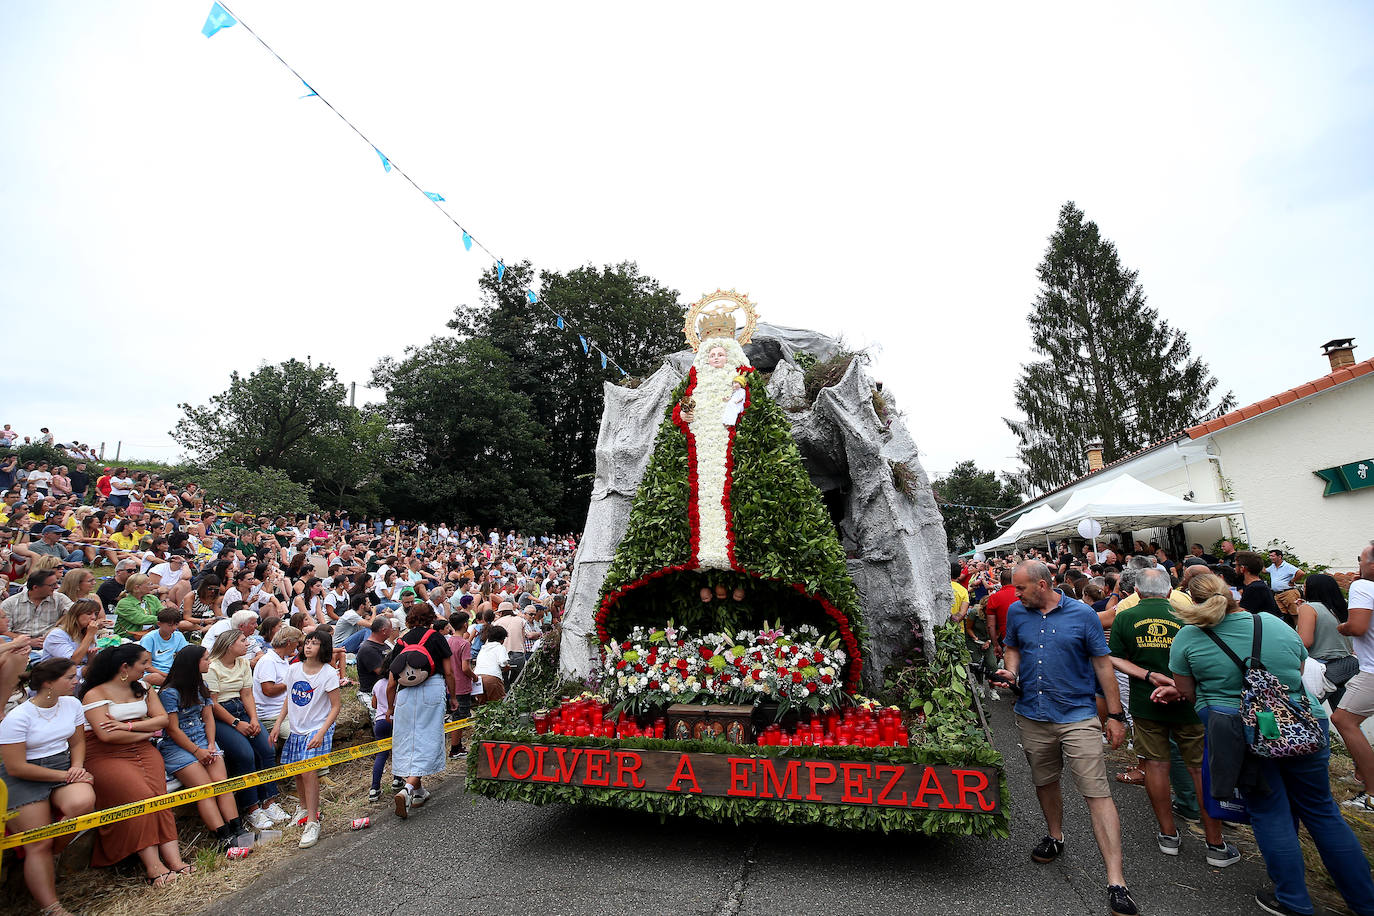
(197, 793)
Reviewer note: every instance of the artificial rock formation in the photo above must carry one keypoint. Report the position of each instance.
(895, 542)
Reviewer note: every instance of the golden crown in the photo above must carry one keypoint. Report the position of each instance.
(714, 316)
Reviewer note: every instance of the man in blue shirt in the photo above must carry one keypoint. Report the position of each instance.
(1282, 574)
(1056, 654)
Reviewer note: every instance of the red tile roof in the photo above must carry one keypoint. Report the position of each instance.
(1307, 389)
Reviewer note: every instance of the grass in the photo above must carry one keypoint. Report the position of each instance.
(122, 890)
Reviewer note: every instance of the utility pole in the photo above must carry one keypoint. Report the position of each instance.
(352, 394)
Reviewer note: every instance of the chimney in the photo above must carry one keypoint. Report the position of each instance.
(1340, 351)
(1094, 455)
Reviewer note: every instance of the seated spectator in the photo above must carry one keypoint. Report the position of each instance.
(188, 746)
(52, 543)
(243, 620)
(137, 609)
(172, 577)
(245, 744)
(163, 644)
(75, 635)
(269, 679)
(111, 590)
(43, 752)
(122, 715)
(260, 640)
(200, 608)
(78, 584)
(35, 610)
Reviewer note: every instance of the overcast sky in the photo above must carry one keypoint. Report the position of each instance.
(889, 172)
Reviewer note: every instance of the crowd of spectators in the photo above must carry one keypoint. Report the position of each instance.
(1151, 645)
(150, 639)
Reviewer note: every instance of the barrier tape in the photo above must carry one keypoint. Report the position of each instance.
(209, 790)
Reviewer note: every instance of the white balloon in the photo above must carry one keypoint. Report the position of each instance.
(1089, 528)
(980, 556)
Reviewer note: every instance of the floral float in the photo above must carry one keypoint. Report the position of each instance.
(732, 648)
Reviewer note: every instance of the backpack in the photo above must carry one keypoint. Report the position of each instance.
(413, 664)
(1275, 726)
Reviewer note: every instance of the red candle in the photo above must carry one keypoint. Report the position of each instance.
(541, 725)
(595, 714)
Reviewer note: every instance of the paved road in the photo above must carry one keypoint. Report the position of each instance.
(468, 854)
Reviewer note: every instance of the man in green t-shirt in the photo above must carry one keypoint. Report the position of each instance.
(1139, 643)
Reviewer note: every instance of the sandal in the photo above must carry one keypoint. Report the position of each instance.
(164, 879)
(1134, 776)
(186, 870)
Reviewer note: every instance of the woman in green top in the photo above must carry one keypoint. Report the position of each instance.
(136, 612)
(1298, 787)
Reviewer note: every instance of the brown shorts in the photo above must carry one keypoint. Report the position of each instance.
(1047, 744)
(1152, 740)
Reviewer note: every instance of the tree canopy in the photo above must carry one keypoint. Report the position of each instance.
(970, 499)
(1107, 367)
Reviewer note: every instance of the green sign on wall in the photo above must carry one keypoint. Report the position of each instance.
(1356, 475)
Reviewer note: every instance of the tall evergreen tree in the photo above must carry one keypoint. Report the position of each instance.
(1109, 368)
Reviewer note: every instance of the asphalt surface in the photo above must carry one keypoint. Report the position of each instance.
(463, 853)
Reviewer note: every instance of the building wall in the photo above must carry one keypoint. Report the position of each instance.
(1269, 462)
(1196, 476)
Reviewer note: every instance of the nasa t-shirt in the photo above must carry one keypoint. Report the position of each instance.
(307, 697)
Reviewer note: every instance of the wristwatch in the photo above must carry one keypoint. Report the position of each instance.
(235, 723)
(1118, 716)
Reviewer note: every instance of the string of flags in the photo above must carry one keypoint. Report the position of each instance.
(221, 17)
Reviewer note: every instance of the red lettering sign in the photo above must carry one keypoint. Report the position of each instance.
(826, 781)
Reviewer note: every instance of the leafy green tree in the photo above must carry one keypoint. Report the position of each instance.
(635, 319)
(965, 494)
(1107, 366)
(276, 417)
(267, 491)
(350, 464)
(467, 446)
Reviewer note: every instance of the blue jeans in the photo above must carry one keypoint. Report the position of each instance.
(1300, 789)
(388, 604)
(244, 755)
(352, 643)
(380, 729)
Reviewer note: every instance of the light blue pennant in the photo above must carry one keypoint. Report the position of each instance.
(529, 294)
(219, 18)
(584, 342)
(437, 198)
(500, 271)
(311, 88)
(560, 321)
(467, 241)
(386, 163)
(603, 360)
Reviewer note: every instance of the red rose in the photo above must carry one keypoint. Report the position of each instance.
(705, 652)
(758, 674)
(782, 671)
(620, 665)
(827, 679)
(639, 668)
(818, 657)
(796, 677)
(653, 685)
(810, 688)
(626, 645)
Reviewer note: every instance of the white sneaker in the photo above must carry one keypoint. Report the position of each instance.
(276, 812)
(403, 801)
(300, 817)
(990, 693)
(260, 820)
(1360, 801)
(311, 836)
(420, 797)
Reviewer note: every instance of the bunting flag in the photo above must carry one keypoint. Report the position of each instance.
(219, 18)
(623, 374)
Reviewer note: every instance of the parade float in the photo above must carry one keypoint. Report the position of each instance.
(758, 633)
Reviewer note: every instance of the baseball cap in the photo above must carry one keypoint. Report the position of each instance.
(407, 591)
(505, 606)
(54, 529)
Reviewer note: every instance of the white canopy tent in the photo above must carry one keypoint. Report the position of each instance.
(1125, 504)
(1016, 532)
